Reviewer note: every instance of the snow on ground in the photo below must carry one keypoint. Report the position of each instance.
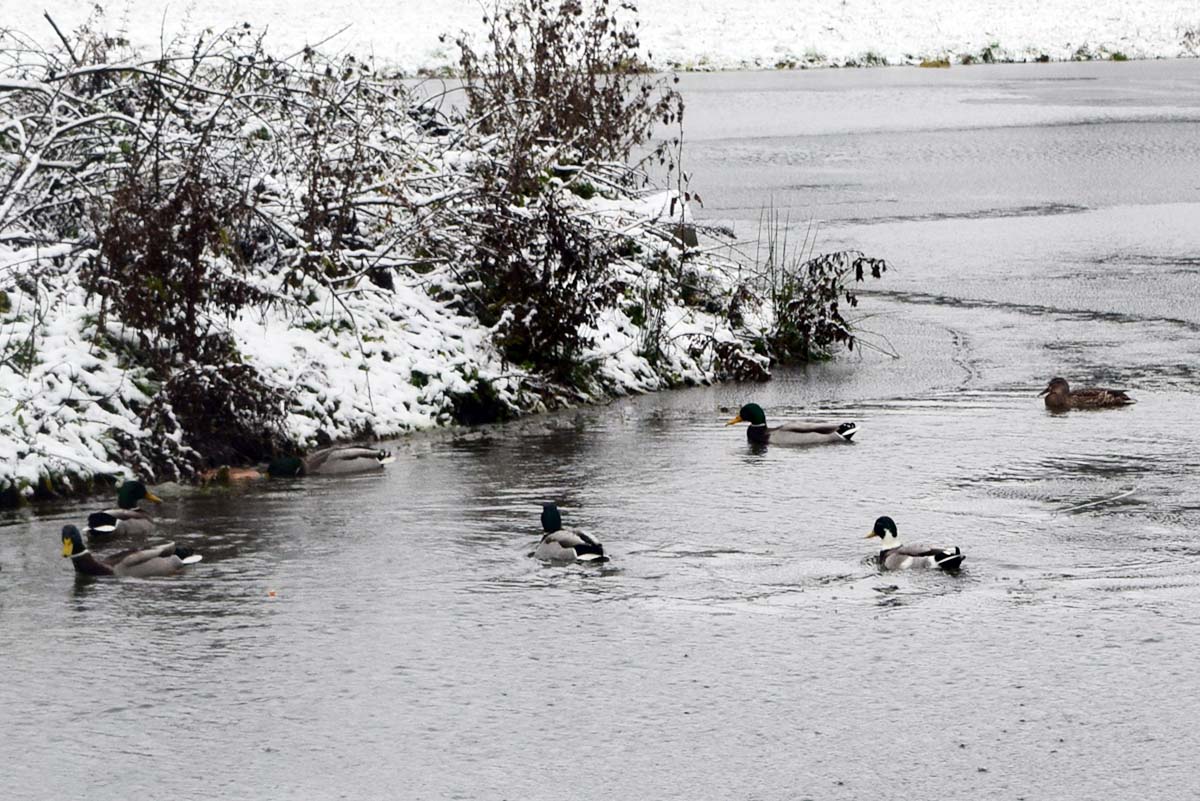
(692, 34)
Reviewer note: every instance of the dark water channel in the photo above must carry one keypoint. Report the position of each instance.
(1040, 220)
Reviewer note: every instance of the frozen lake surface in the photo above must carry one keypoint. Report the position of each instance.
(1039, 220)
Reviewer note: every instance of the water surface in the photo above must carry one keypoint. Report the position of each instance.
(1039, 220)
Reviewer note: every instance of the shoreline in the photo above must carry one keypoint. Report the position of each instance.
(436, 74)
(103, 485)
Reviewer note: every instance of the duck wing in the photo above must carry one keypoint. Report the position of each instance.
(123, 522)
(137, 513)
(1100, 396)
(345, 460)
(922, 556)
(819, 427)
(810, 433)
(588, 548)
(134, 557)
(565, 546)
(161, 560)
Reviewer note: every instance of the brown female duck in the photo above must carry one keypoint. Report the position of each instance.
(1060, 397)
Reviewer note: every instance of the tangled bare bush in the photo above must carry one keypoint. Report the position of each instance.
(568, 74)
(168, 269)
(225, 414)
(557, 102)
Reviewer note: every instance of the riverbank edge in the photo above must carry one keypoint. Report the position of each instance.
(869, 62)
(59, 486)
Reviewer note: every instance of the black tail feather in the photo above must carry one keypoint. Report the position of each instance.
(101, 524)
(595, 549)
(951, 562)
(590, 549)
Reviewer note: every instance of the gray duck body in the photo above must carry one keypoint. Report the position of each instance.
(336, 461)
(921, 557)
(793, 433)
(113, 523)
(802, 433)
(564, 545)
(127, 519)
(894, 555)
(161, 560)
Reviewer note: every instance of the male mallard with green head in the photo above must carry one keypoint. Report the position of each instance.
(562, 545)
(790, 433)
(330, 462)
(1060, 397)
(161, 560)
(128, 519)
(894, 556)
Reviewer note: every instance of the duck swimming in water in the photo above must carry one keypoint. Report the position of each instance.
(161, 560)
(330, 462)
(790, 433)
(563, 545)
(1060, 397)
(894, 556)
(128, 519)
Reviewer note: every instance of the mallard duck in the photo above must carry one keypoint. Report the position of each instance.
(330, 462)
(562, 545)
(791, 433)
(894, 556)
(161, 560)
(128, 519)
(1060, 397)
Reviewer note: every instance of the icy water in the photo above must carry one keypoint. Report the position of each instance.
(386, 637)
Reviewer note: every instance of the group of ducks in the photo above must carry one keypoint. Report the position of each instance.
(129, 521)
(564, 545)
(558, 544)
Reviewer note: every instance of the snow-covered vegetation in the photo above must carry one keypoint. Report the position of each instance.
(213, 254)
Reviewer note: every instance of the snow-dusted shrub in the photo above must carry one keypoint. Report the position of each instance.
(167, 267)
(556, 100)
(566, 72)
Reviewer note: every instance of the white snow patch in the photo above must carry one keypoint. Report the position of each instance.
(693, 34)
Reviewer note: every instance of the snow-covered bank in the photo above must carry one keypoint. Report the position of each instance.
(698, 34)
(219, 255)
(215, 258)
(371, 363)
